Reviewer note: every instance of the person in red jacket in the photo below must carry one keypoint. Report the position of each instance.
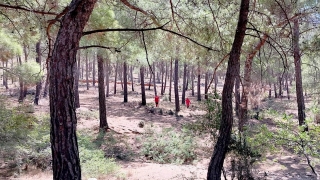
(188, 102)
(156, 100)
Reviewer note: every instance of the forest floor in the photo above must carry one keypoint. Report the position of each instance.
(124, 119)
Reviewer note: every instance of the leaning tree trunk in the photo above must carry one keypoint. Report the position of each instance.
(183, 98)
(297, 65)
(176, 81)
(143, 89)
(125, 82)
(103, 126)
(220, 149)
(64, 144)
(243, 108)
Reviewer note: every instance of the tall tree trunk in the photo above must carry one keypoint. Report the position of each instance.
(82, 69)
(287, 86)
(120, 76)
(46, 85)
(103, 126)
(216, 81)
(64, 144)
(183, 98)
(170, 80)
(39, 84)
(76, 81)
(297, 65)
(237, 95)
(21, 95)
(192, 81)
(220, 149)
(176, 85)
(115, 79)
(94, 71)
(165, 79)
(199, 83)
(107, 76)
(206, 79)
(143, 89)
(151, 74)
(87, 71)
(154, 80)
(162, 77)
(125, 82)
(280, 86)
(131, 72)
(243, 113)
(5, 77)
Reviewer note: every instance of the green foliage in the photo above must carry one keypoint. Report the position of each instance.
(14, 124)
(169, 146)
(8, 47)
(210, 123)
(93, 160)
(30, 72)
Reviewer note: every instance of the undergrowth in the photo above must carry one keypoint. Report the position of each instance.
(169, 146)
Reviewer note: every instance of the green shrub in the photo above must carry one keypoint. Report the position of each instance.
(210, 122)
(30, 72)
(14, 124)
(93, 161)
(170, 146)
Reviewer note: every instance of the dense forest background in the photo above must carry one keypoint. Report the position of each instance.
(238, 61)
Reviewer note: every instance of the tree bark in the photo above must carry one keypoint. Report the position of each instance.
(176, 85)
(297, 65)
(103, 126)
(199, 85)
(5, 77)
(154, 80)
(206, 79)
(94, 71)
(183, 98)
(170, 80)
(39, 84)
(220, 149)
(243, 113)
(143, 89)
(87, 71)
(162, 77)
(21, 95)
(125, 83)
(76, 81)
(131, 72)
(115, 79)
(107, 76)
(64, 144)
(192, 81)
(237, 95)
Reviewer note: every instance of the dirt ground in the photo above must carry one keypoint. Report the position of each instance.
(123, 118)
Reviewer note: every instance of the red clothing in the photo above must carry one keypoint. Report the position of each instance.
(188, 102)
(156, 100)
